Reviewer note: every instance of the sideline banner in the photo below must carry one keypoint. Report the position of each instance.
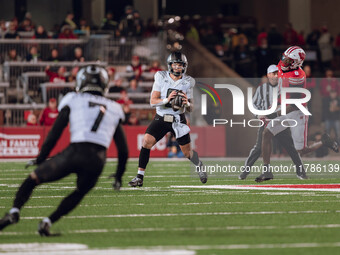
(25, 142)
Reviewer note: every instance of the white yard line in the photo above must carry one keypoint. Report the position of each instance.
(81, 249)
(184, 204)
(192, 193)
(223, 228)
(115, 196)
(186, 214)
(251, 246)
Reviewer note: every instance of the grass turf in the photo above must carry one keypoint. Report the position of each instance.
(208, 220)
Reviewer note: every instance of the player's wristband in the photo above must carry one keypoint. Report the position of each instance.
(165, 101)
(188, 104)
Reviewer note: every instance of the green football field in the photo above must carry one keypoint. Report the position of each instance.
(168, 215)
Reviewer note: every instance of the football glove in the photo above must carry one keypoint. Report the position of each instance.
(177, 102)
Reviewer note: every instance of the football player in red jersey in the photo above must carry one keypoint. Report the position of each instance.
(291, 75)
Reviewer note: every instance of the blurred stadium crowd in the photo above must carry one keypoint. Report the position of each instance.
(130, 25)
(51, 67)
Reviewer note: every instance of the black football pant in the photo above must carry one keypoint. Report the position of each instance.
(285, 139)
(158, 128)
(86, 160)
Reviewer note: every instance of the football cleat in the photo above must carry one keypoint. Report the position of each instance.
(44, 229)
(243, 175)
(202, 174)
(329, 142)
(8, 219)
(116, 185)
(136, 182)
(302, 176)
(265, 177)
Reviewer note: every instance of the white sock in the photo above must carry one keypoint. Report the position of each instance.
(14, 210)
(141, 172)
(47, 220)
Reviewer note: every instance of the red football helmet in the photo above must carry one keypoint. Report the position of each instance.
(292, 58)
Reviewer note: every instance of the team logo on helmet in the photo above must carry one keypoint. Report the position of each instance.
(292, 58)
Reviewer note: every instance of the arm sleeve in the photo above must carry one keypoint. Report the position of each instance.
(123, 151)
(54, 134)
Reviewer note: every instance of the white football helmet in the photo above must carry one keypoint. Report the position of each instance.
(292, 58)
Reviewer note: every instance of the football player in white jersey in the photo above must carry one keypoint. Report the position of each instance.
(94, 121)
(165, 88)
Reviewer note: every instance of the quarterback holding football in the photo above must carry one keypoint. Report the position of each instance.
(172, 96)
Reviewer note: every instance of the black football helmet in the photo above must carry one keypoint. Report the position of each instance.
(177, 57)
(92, 78)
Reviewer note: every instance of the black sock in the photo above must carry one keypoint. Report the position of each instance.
(194, 159)
(24, 192)
(67, 205)
(122, 158)
(144, 156)
(266, 168)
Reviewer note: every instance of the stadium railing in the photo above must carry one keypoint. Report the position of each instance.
(120, 50)
(30, 82)
(13, 71)
(14, 114)
(96, 46)
(55, 89)
(138, 97)
(145, 75)
(3, 91)
(142, 84)
(44, 46)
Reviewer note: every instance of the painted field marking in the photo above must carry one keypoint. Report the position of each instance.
(185, 214)
(228, 228)
(288, 187)
(81, 249)
(185, 204)
(252, 246)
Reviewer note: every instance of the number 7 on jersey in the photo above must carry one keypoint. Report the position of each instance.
(102, 110)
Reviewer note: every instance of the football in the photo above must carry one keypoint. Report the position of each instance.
(177, 102)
